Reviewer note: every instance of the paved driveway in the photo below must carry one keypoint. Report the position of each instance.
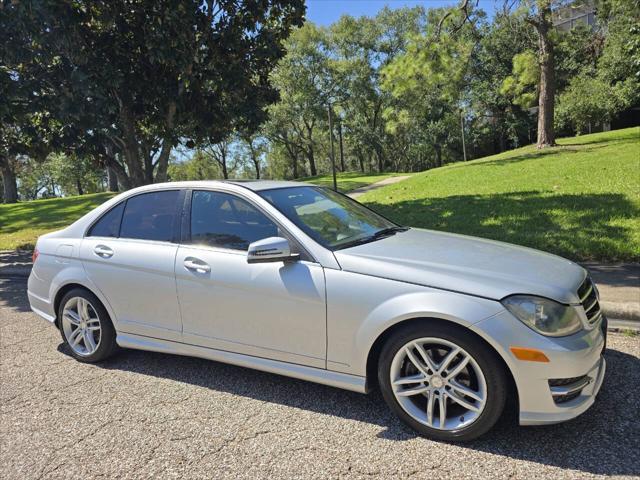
(143, 414)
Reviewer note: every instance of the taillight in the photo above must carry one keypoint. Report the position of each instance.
(34, 257)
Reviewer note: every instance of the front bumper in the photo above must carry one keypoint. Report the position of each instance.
(575, 356)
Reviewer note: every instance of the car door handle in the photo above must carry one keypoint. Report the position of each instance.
(103, 251)
(197, 265)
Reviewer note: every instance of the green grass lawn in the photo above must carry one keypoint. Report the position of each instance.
(22, 223)
(580, 199)
(348, 181)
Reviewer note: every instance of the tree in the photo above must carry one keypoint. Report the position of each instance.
(176, 71)
(497, 121)
(609, 83)
(304, 83)
(199, 166)
(254, 148)
(220, 152)
(429, 81)
(362, 48)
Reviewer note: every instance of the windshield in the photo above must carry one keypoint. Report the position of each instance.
(333, 220)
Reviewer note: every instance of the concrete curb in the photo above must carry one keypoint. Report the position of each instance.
(621, 310)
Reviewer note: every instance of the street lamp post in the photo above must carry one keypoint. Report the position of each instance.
(333, 157)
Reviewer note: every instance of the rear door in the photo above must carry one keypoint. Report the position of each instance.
(129, 255)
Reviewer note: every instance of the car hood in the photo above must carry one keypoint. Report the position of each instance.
(465, 264)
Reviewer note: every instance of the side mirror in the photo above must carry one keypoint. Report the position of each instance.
(272, 249)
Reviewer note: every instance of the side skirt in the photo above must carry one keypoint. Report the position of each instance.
(326, 377)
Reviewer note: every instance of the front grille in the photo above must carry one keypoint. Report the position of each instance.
(589, 300)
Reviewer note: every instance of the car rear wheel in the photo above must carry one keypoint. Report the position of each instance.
(442, 381)
(86, 327)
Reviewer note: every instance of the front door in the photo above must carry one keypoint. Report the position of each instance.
(129, 254)
(268, 310)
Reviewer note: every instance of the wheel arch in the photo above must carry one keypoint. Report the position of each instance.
(66, 288)
(373, 355)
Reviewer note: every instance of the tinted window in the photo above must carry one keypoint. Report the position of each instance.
(150, 216)
(223, 220)
(109, 224)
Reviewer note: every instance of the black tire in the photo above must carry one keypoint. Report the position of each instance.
(492, 369)
(107, 345)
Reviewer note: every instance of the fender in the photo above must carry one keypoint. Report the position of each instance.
(77, 275)
(360, 310)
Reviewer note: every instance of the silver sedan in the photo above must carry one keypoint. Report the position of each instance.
(302, 281)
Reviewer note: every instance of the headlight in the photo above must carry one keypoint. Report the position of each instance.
(543, 315)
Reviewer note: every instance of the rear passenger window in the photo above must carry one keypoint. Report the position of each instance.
(151, 216)
(109, 224)
(226, 221)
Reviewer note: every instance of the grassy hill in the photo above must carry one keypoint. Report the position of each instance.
(22, 223)
(580, 199)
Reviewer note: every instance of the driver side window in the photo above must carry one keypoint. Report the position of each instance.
(226, 221)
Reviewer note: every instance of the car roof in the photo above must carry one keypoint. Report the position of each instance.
(254, 185)
(257, 185)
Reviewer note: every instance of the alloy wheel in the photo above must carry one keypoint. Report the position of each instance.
(438, 383)
(81, 326)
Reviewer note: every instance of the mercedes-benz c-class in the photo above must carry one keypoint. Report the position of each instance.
(302, 281)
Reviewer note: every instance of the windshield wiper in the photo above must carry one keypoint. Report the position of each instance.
(385, 232)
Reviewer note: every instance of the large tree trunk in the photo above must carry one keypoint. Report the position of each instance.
(9, 184)
(225, 172)
(79, 187)
(547, 86)
(162, 164)
(256, 162)
(112, 179)
(312, 161)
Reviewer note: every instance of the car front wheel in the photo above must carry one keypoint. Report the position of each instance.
(442, 381)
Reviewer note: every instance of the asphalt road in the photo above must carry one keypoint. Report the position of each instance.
(142, 414)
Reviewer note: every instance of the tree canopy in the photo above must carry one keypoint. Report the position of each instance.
(175, 89)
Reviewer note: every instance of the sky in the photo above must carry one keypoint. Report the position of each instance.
(325, 12)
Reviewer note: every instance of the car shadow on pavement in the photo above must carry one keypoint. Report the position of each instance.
(604, 440)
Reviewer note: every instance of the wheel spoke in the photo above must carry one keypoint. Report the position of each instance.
(83, 309)
(444, 364)
(430, 401)
(459, 367)
(412, 391)
(425, 357)
(410, 379)
(443, 410)
(461, 401)
(72, 317)
(459, 388)
(89, 342)
(75, 337)
(415, 361)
